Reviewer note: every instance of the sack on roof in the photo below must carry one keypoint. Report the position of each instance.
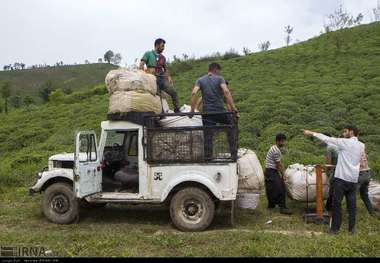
(130, 80)
(132, 101)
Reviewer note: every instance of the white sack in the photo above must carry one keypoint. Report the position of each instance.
(182, 121)
(251, 175)
(374, 194)
(131, 101)
(298, 177)
(130, 80)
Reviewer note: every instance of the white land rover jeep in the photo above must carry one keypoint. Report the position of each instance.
(137, 161)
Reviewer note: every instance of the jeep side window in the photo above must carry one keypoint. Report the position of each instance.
(87, 149)
(114, 137)
(132, 147)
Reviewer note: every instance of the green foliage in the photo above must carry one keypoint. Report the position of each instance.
(307, 85)
(15, 101)
(56, 96)
(68, 78)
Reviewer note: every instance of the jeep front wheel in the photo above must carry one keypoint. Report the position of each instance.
(192, 209)
(59, 204)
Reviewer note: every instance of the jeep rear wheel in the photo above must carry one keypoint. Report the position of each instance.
(59, 204)
(192, 209)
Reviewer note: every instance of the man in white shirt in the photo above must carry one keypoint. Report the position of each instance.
(350, 152)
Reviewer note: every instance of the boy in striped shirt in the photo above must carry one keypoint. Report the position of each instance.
(274, 183)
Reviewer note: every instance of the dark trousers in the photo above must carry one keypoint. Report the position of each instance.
(212, 121)
(348, 190)
(329, 202)
(364, 180)
(164, 85)
(274, 188)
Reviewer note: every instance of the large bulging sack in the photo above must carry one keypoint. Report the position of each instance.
(131, 101)
(251, 175)
(300, 183)
(130, 80)
(374, 194)
(182, 121)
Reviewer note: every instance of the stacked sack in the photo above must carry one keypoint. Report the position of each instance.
(132, 91)
(374, 194)
(251, 175)
(251, 179)
(301, 181)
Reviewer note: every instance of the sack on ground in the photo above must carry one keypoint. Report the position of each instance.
(130, 80)
(374, 194)
(300, 183)
(132, 101)
(251, 176)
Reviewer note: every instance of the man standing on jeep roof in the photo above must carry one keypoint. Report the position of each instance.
(155, 62)
(214, 90)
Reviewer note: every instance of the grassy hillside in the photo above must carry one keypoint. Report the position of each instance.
(310, 85)
(320, 84)
(27, 82)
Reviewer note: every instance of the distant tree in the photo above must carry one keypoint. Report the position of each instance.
(6, 93)
(232, 53)
(22, 65)
(108, 56)
(45, 90)
(376, 12)
(288, 31)
(246, 51)
(176, 59)
(86, 61)
(28, 101)
(185, 57)
(15, 101)
(264, 46)
(341, 19)
(100, 60)
(116, 59)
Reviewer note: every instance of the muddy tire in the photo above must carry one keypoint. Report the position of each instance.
(192, 209)
(59, 204)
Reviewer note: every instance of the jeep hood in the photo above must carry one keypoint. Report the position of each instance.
(65, 157)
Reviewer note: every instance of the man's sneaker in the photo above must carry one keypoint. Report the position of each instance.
(333, 232)
(352, 232)
(285, 211)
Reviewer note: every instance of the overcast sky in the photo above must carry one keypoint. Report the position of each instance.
(47, 31)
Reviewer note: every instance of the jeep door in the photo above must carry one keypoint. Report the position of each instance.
(87, 169)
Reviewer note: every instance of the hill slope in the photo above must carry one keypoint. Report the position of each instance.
(28, 82)
(311, 85)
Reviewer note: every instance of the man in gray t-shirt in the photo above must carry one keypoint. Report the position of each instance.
(214, 91)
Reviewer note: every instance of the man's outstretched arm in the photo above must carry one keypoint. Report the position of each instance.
(328, 140)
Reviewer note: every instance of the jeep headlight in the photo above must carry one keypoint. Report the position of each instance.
(39, 175)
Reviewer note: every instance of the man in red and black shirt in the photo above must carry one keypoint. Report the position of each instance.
(155, 62)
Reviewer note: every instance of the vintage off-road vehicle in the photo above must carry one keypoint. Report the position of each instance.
(137, 161)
